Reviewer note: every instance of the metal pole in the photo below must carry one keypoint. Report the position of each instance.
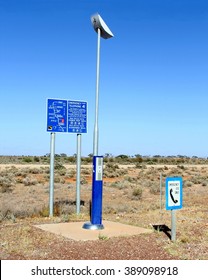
(96, 130)
(78, 173)
(160, 192)
(52, 156)
(173, 225)
(97, 184)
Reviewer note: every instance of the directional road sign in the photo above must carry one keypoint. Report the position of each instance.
(77, 116)
(56, 115)
(174, 194)
(66, 116)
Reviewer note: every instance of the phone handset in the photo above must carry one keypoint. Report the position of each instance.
(171, 195)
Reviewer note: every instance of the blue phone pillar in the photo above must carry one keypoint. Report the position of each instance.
(97, 194)
(97, 191)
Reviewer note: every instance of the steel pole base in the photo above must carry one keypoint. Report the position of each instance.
(91, 226)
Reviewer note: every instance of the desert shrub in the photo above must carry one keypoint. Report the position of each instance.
(27, 159)
(122, 171)
(130, 179)
(117, 209)
(46, 170)
(45, 160)
(121, 185)
(187, 183)
(71, 159)
(181, 167)
(184, 238)
(137, 193)
(140, 166)
(65, 208)
(197, 180)
(62, 181)
(23, 172)
(112, 170)
(110, 174)
(7, 215)
(36, 159)
(29, 181)
(17, 210)
(109, 209)
(34, 170)
(44, 212)
(60, 208)
(5, 185)
(86, 160)
(61, 172)
(6, 182)
(57, 179)
(11, 169)
(194, 169)
(86, 171)
(71, 173)
(58, 166)
(111, 166)
(173, 170)
(46, 176)
(146, 183)
(83, 181)
(154, 188)
(204, 183)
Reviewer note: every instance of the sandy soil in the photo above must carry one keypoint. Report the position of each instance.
(19, 239)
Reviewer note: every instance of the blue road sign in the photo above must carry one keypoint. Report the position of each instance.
(77, 116)
(174, 193)
(66, 116)
(57, 115)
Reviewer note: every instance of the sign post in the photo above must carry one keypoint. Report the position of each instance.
(174, 197)
(66, 116)
(52, 156)
(77, 123)
(56, 122)
(78, 178)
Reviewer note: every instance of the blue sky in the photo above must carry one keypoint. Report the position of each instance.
(153, 75)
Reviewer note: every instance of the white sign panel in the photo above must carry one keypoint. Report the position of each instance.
(173, 193)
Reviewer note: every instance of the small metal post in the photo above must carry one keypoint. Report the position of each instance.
(160, 192)
(52, 156)
(173, 225)
(78, 173)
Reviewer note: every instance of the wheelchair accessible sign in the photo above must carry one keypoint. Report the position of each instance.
(174, 194)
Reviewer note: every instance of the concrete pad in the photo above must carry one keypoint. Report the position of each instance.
(76, 232)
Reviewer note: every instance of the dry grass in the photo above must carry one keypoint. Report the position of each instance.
(131, 195)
